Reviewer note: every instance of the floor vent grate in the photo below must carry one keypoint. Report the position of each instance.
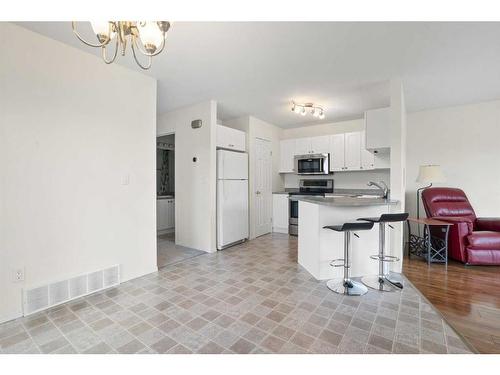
(45, 296)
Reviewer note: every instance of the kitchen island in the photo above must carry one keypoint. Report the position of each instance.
(318, 247)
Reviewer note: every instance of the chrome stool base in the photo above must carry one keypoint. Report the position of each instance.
(381, 284)
(350, 288)
(395, 279)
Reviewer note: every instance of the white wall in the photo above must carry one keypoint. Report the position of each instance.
(71, 127)
(464, 140)
(325, 129)
(195, 182)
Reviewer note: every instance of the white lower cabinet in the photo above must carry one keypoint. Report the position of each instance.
(280, 213)
(165, 214)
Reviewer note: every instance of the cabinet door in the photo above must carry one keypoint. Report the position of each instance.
(377, 126)
(320, 145)
(230, 138)
(280, 213)
(158, 216)
(367, 158)
(337, 157)
(161, 214)
(173, 213)
(287, 152)
(302, 146)
(353, 151)
(170, 214)
(167, 214)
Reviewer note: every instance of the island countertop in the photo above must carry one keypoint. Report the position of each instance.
(348, 201)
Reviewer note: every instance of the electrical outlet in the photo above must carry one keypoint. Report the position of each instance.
(18, 275)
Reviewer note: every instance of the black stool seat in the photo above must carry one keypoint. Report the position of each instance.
(386, 218)
(350, 226)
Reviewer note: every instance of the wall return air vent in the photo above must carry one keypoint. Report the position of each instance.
(49, 295)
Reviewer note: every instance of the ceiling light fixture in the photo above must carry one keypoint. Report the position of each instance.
(314, 110)
(148, 37)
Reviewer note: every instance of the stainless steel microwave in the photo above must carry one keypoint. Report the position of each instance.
(312, 164)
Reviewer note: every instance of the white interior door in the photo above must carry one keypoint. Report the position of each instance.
(263, 200)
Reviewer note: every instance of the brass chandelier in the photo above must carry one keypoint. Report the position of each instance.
(147, 37)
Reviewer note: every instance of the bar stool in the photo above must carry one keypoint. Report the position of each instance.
(346, 285)
(384, 281)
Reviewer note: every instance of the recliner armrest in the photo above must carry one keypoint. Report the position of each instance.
(488, 223)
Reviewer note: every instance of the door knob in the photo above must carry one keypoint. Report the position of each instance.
(257, 192)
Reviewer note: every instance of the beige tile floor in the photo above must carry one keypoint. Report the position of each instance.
(252, 298)
(169, 253)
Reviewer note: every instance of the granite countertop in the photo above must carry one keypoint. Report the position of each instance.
(286, 191)
(166, 196)
(346, 201)
(338, 192)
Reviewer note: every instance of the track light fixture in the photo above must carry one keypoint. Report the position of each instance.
(303, 109)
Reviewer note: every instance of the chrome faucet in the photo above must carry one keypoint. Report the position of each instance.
(382, 186)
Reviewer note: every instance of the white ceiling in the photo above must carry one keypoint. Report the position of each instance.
(257, 68)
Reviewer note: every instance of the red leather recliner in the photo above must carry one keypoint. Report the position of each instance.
(471, 240)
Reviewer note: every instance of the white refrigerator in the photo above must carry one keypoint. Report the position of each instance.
(232, 198)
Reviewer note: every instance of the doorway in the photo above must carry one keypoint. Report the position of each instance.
(167, 250)
(263, 187)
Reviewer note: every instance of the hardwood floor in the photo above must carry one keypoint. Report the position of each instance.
(467, 297)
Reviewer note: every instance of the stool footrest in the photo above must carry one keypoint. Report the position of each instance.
(385, 258)
(335, 263)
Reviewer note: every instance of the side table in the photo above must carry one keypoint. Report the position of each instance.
(429, 246)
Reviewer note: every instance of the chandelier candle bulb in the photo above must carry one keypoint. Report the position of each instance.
(151, 36)
(102, 30)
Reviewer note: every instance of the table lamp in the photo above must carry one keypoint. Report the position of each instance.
(428, 174)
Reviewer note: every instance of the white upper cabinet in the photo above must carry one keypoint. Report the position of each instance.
(302, 146)
(320, 145)
(337, 152)
(367, 158)
(312, 145)
(231, 139)
(287, 153)
(347, 152)
(377, 126)
(352, 151)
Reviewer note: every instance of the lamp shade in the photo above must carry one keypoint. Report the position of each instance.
(430, 174)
